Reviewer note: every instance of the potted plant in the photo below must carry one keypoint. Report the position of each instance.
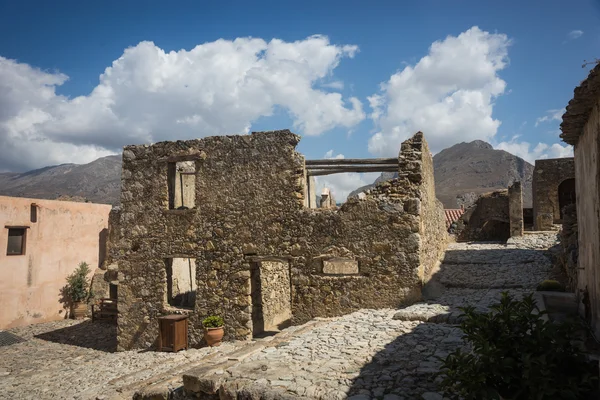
(77, 290)
(213, 330)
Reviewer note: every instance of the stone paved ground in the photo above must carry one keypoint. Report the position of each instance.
(390, 354)
(73, 360)
(369, 354)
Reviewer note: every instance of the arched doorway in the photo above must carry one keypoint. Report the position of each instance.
(566, 194)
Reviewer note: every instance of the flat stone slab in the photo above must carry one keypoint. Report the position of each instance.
(340, 266)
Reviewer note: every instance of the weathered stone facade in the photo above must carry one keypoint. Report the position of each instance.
(487, 219)
(250, 214)
(581, 128)
(553, 188)
(515, 209)
(567, 258)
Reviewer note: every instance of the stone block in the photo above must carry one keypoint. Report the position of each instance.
(340, 266)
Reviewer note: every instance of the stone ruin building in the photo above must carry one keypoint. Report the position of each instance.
(226, 225)
(497, 215)
(553, 189)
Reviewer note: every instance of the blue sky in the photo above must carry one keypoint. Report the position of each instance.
(506, 66)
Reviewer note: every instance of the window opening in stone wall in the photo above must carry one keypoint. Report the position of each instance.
(566, 194)
(33, 213)
(113, 291)
(16, 241)
(180, 282)
(182, 185)
(364, 172)
(270, 292)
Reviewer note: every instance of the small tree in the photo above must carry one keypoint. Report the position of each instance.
(77, 283)
(516, 354)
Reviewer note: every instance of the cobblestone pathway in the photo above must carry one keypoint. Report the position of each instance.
(369, 354)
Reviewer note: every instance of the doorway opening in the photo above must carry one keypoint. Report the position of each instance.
(271, 297)
(566, 194)
(180, 282)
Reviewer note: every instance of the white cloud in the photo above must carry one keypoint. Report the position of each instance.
(574, 34)
(448, 94)
(540, 151)
(329, 155)
(338, 85)
(342, 184)
(552, 115)
(148, 95)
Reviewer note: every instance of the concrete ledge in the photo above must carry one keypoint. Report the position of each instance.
(556, 302)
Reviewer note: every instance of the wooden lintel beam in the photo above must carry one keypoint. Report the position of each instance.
(351, 167)
(352, 161)
(382, 168)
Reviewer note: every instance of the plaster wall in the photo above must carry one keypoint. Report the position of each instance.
(64, 234)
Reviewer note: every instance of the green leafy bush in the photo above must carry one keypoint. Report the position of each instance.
(77, 283)
(516, 354)
(213, 322)
(550, 286)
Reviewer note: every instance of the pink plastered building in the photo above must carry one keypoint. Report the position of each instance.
(41, 243)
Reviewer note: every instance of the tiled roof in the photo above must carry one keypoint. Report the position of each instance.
(452, 215)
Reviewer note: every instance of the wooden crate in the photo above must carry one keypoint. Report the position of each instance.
(172, 333)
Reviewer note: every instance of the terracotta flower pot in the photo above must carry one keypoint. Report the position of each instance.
(79, 310)
(213, 336)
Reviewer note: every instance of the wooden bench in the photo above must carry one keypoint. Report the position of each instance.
(105, 309)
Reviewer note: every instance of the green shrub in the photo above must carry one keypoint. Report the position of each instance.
(213, 322)
(77, 283)
(516, 354)
(550, 286)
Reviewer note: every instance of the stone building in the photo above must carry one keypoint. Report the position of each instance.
(43, 241)
(247, 245)
(487, 219)
(581, 128)
(553, 189)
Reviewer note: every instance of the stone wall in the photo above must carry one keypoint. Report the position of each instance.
(250, 207)
(547, 176)
(567, 258)
(581, 128)
(433, 221)
(487, 219)
(515, 209)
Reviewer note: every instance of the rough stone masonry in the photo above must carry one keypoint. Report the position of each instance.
(553, 188)
(246, 219)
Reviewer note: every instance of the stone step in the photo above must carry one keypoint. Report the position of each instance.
(445, 308)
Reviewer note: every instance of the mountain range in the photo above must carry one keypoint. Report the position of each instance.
(462, 172)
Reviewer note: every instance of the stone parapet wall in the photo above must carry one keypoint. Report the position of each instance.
(250, 194)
